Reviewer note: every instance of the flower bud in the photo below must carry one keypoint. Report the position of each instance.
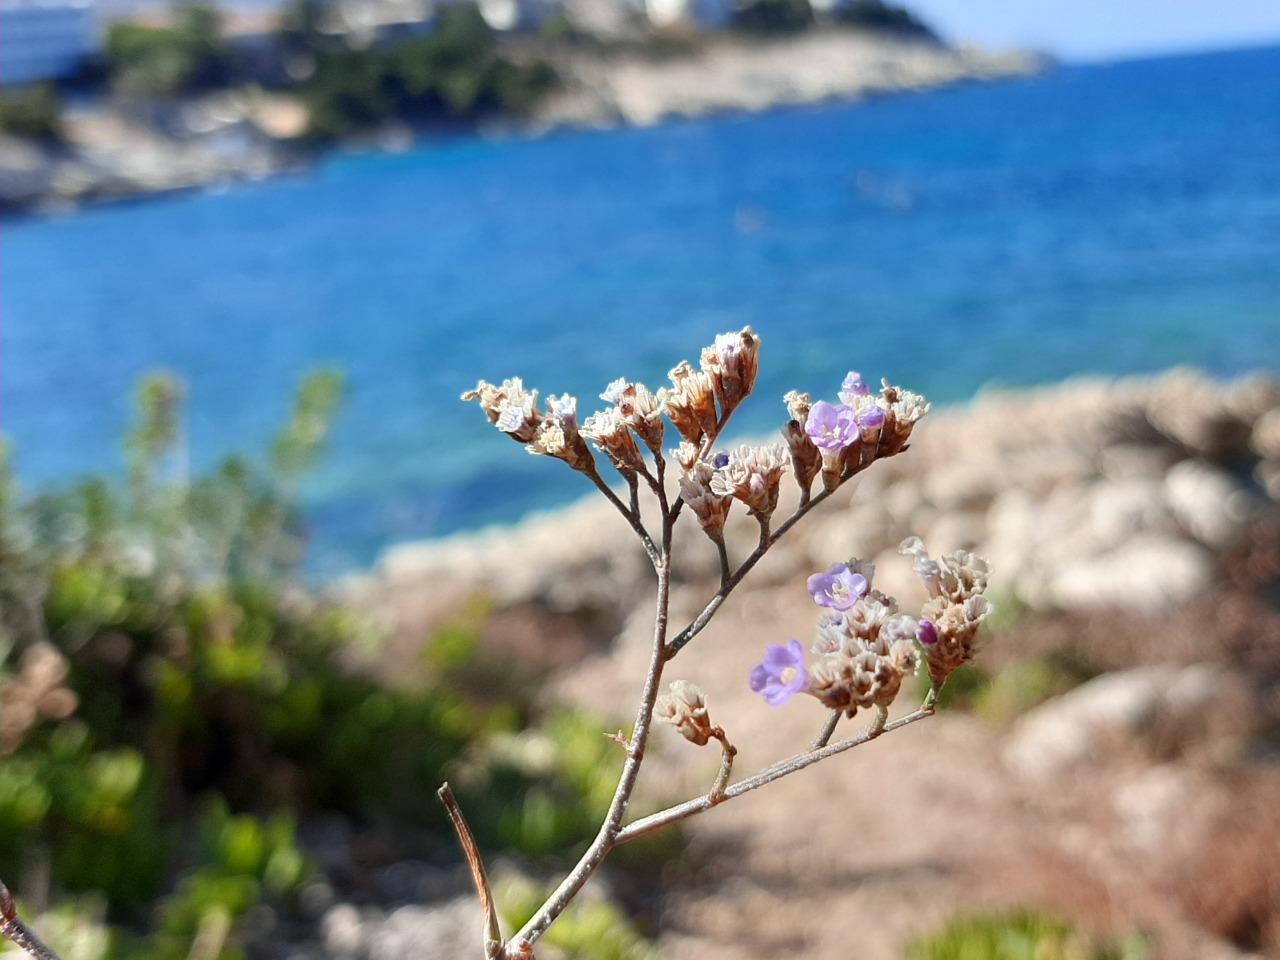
(685, 708)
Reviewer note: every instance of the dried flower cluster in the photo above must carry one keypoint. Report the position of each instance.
(840, 440)
(864, 646)
(956, 607)
(685, 708)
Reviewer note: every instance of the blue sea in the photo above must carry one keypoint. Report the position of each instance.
(1102, 219)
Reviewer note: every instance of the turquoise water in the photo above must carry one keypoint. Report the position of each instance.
(1101, 219)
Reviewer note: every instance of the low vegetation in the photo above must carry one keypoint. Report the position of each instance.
(174, 701)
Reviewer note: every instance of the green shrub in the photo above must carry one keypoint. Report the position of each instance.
(194, 700)
(773, 16)
(454, 74)
(163, 61)
(886, 18)
(34, 111)
(1019, 935)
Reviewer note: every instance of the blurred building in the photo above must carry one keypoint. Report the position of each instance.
(367, 23)
(46, 39)
(507, 15)
(701, 14)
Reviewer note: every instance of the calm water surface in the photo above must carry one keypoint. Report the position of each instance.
(1103, 219)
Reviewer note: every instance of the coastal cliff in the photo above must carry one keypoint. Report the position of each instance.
(735, 74)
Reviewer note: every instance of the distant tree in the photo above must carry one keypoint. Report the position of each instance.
(772, 16)
(456, 73)
(163, 61)
(877, 15)
(32, 112)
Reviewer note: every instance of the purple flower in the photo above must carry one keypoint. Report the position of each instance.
(780, 674)
(853, 387)
(871, 417)
(838, 588)
(831, 428)
(927, 633)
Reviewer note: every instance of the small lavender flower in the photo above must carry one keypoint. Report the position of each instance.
(780, 674)
(852, 388)
(871, 417)
(839, 588)
(832, 428)
(927, 633)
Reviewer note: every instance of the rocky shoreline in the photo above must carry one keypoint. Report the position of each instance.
(112, 153)
(1093, 494)
(1133, 525)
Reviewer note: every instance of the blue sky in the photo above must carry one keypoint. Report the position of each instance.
(1105, 29)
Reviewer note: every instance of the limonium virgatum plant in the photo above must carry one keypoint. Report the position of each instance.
(864, 646)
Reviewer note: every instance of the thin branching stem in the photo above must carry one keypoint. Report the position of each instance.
(725, 571)
(766, 541)
(606, 838)
(12, 927)
(632, 516)
(784, 768)
(660, 488)
(727, 752)
(828, 728)
(763, 543)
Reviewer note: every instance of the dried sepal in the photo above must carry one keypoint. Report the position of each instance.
(711, 508)
(685, 708)
(640, 409)
(610, 432)
(690, 403)
(732, 363)
(558, 435)
(510, 407)
(751, 474)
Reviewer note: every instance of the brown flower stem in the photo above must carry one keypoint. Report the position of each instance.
(606, 838)
(728, 752)
(660, 488)
(725, 572)
(632, 516)
(633, 486)
(763, 543)
(12, 927)
(702, 619)
(828, 728)
(783, 768)
(492, 930)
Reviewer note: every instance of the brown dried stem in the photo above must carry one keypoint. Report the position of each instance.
(767, 540)
(492, 929)
(783, 768)
(12, 927)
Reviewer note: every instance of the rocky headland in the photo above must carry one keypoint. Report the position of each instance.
(111, 152)
(1133, 527)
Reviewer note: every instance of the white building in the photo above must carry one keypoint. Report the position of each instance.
(45, 39)
(699, 14)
